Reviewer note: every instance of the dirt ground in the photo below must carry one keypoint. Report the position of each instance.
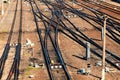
(72, 52)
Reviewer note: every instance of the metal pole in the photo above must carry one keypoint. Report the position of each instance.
(2, 8)
(104, 48)
(87, 51)
(102, 33)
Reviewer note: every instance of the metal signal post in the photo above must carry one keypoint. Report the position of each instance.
(104, 48)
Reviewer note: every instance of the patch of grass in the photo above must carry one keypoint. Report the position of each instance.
(4, 31)
(28, 69)
(26, 54)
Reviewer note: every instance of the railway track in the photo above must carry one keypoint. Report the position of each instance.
(98, 13)
(112, 24)
(113, 31)
(88, 38)
(107, 6)
(114, 35)
(15, 65)
(83, 37)
(75, 37)
(50, 48)
(16, 46)
(49, 39)
(101, 9)
(111, 5)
